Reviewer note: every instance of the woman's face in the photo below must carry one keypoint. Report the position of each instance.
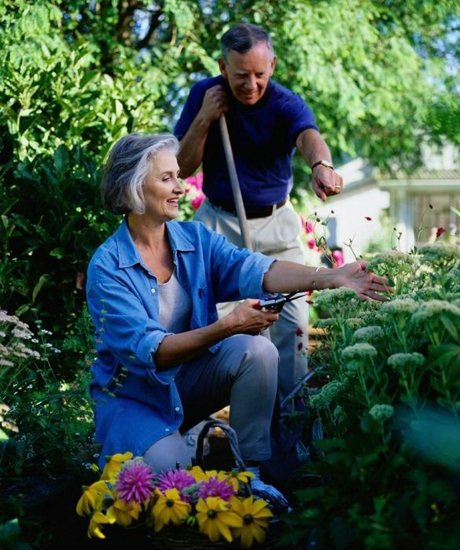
(162, 187)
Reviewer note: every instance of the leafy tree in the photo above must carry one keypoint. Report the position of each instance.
(78, 74)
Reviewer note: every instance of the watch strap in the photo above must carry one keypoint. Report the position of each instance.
(325, 163)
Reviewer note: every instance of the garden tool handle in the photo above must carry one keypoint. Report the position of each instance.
(236, 190)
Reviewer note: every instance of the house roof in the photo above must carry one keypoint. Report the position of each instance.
(421, 180)
(420, 174)
(357, 175)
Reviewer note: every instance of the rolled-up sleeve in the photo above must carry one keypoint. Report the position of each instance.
(252, 274)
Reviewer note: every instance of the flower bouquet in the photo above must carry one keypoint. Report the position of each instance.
(191, 505)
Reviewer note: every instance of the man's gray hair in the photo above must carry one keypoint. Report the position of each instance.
(128, 165)
(241, 38)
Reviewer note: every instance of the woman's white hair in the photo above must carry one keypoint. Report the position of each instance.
(128, 165)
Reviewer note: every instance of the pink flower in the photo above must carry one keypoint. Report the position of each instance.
(134, 481)
(440, 231)
(307, 224)
(195, 181)
(196, 201)
(311, 243)
(215, 488)
(175, 479)
(337, 258)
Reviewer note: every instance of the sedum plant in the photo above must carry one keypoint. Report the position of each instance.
(390, 407)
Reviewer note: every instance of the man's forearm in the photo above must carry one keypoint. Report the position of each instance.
(312, 147)
(192, 147)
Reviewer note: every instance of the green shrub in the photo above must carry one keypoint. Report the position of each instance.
(46, 424)
(390, 408)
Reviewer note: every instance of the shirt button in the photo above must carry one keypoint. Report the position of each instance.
(177, 409)
(152, 291)
(166, 429)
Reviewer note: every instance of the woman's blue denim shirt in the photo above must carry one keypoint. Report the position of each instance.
(122, 295)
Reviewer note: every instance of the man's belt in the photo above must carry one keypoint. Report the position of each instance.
(253, 212)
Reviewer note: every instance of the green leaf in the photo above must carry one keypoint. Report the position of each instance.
(9, 530)
(41, 283)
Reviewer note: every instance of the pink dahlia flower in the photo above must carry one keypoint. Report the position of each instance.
(175, 479)
(134, 482)
(215, 488)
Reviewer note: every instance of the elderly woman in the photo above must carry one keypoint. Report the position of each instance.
(164, 359)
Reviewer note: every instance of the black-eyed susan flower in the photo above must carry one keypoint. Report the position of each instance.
(215, 518)
(124, 512)
(93, 497)
(256, 517)
(96, 523)
(237, 478)
(169, 508)
(114, 464)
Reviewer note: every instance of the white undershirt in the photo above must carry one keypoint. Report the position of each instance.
(175, 305)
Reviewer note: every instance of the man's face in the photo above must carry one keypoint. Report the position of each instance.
(248, 73)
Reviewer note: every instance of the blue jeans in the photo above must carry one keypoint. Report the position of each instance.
(277, 236)
(242, 374)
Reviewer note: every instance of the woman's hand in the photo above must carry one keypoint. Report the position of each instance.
(249, 318)
(366, 284)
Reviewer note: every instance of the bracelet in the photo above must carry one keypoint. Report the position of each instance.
(313, 285)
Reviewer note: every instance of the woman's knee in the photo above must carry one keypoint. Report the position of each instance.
(261, 355)
(169, 453)
(263, 350)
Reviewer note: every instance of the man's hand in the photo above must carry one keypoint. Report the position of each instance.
(326, 182)
(214, 104)
(192, 144)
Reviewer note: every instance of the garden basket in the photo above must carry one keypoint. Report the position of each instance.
(184, 538)
(174, 538)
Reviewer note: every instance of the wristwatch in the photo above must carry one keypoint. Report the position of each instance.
(325, 163)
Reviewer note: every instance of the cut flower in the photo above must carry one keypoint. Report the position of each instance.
(169, 508)
(256, 518)
(215, 503)
(215, 517)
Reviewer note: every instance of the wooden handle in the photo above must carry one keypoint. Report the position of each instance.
(239, 206)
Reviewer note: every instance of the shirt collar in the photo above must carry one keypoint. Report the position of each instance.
(128, 253)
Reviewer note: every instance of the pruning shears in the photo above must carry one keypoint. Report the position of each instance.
(276, 304)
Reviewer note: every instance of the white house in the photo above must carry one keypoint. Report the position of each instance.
(377, 213)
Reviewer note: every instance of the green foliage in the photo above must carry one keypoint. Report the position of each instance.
(77, 75)
(36, 401)
(60, 114)
(390, 408)
(46, 426)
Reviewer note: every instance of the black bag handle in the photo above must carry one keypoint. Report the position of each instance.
(232, 439)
